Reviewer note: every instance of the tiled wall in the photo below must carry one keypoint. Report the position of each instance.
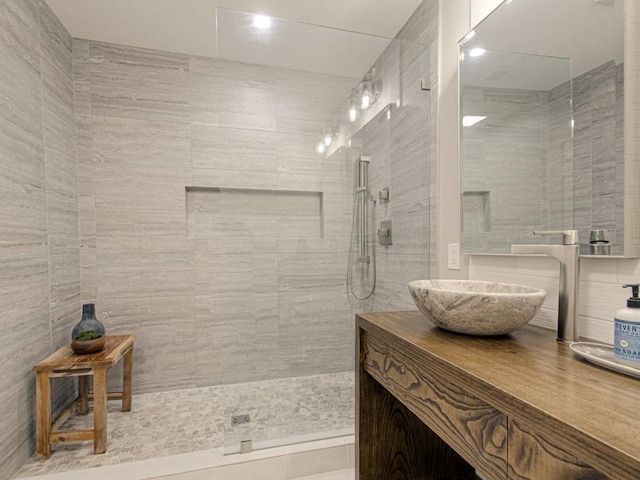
(253, 297)
(39, 247)
(245, 292)
(600, 287)
(403, 147)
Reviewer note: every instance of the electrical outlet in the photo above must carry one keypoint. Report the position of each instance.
(453, 257)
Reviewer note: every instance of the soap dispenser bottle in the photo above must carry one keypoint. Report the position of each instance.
(627, 331)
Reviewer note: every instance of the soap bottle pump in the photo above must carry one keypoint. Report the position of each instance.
(627, 331)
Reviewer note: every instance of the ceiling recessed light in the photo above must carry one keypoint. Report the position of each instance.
(261, 21)
(471, 120)
(477, 52)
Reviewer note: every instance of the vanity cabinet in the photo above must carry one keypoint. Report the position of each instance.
(436, 405)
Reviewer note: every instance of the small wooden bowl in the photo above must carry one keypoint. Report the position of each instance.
(84, 347)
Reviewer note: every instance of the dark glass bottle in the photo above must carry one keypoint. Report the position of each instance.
(89, 322)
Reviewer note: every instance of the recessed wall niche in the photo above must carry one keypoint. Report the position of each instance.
(218, 211)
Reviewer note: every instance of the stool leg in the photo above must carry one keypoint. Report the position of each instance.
(99, 410)
(43, 414)
(83, 394)
(127, 380)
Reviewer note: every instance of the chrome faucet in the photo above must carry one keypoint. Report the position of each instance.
(568, 254)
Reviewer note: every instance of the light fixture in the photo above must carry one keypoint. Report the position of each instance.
(353, 106)
(262, 22)
(328, 135)
(368, 89)
(477, 52)
(471, 120)
(366, 92)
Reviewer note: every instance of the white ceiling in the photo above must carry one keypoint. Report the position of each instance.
(189, 26)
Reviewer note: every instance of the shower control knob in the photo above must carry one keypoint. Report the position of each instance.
(384, 233)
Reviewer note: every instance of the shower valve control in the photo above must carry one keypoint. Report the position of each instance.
(383, 195)
(384, 233)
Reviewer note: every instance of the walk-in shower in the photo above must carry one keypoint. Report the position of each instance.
(362, 252)
(224, 233)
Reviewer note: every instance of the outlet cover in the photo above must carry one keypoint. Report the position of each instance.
(453, 257)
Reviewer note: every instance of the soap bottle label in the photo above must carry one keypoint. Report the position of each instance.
(627, 341)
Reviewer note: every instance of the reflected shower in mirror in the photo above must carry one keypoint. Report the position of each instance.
(541, 96)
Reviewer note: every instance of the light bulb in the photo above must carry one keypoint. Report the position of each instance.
(353, 106)
(320, 148)
(366, 93)
(327, 138)
(365, 101)
(261, 21)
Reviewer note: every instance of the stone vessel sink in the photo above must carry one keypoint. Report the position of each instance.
(474, 307)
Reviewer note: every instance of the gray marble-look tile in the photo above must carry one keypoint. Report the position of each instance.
(410, 228)
(151, 318)
(63, 319)
(82, 76)
(61, 174)
(311, 271)
(20, 53)
(297, 155)
(24, 291)
(57, 84)
(63, 228)
(203, 91)
(141, 143)
(87, 231)
(24, 220)
(138, 187)
(23, 158)
(89, 277)
(204, 177)
(65, 279)
(236, 149)
(222, 275)
(234, 201)
(167, 363)
(136, 275)
(86, 186)
(139, 83)
(141, 231)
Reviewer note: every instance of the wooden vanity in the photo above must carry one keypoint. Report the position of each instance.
(438, 405)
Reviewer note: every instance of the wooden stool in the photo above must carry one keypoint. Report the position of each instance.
(64, 363)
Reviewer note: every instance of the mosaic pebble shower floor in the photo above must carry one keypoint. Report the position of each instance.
(181, 421)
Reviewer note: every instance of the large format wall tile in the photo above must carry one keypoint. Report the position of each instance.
(24, 221)
(140, 187)
(131, 276)
(139, 83)
(141, 231)
(141, 143)
(233, 149)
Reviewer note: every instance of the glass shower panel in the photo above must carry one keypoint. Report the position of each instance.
(290, 117)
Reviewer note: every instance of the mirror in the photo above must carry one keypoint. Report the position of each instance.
(542, 112)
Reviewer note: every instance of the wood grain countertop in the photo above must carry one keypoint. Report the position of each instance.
(531, 377)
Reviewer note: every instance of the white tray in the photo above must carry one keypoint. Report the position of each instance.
(602, 355)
